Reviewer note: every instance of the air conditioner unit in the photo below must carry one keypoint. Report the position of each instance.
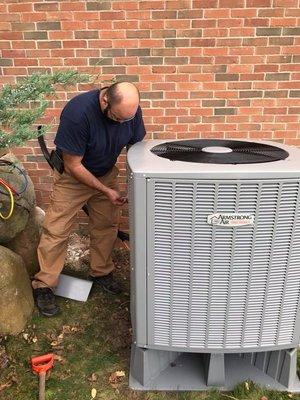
(215, 264)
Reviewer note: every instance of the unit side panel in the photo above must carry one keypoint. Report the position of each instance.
(221, 287)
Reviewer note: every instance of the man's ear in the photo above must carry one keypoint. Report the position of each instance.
(104, 99)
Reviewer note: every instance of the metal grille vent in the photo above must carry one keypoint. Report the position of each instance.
(214, 287)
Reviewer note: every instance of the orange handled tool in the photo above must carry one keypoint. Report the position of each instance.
(40, 365)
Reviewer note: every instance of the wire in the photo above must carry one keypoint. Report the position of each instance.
(12, 201)
(7, 163)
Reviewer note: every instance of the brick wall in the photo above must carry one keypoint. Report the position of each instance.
(205, 68)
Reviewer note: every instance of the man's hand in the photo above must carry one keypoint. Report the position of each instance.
(74, 167)
(115, 197)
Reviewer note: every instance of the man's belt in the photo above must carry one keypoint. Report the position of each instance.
(56, 163)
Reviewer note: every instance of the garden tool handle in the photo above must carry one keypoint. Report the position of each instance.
(42, 385)
(42, 363)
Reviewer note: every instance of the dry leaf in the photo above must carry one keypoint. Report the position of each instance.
(34, 340)
(54, 343)
(247, 385)
(116, 377)
(59, 359)
(93, 393)
(93, 378)
(290, 395)
(26, 336)
(5, 385)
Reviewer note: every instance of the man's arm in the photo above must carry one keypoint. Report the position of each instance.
(74, 167)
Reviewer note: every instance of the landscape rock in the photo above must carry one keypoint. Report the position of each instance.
(26, 242)
(16, 300)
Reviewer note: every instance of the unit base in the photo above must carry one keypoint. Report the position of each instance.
(164, 370)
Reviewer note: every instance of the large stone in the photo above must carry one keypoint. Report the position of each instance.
(16, 301)
(26, 242)
(24, 203)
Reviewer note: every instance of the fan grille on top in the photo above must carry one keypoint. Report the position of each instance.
(235, 151)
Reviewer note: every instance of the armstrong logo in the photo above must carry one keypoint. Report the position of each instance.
(230, 219)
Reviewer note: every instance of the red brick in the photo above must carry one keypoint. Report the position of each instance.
(275, 110)
(24, 44)
(292, 12)
(49, 62)
(204, 23)
(125, 60)
(11, 35)
(59, 16)
(229, 42)
(218, 14)
(203, 42)
(87, 15)
(230, 22)
(125, 5)
(115, 34)
(163, 69)
(241, 51)
(72, 6)
(5, 45)
(189, 51)
(139, 15)
(22, 7)
(231, 4)
(111, 15)
(19, 62)
(45, 6)
(176, 24)
(140, 69)
(74, 44)
(256, 22)
(149, 5)
(202, 77)
(285, 3)
(283, 22)
(205, 3)
(15, 71)
(105, 25)
(125, 25)
(215, 51)
(82, 52)
(38, 53)
(174, 4)
(75, 61)
(291, 50)
(4, 26)
(258, 3)
(33, 17)
(241, 32)
(60, 35)
(13, 53)
(237, 69)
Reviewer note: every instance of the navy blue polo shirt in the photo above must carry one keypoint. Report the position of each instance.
(85, 131)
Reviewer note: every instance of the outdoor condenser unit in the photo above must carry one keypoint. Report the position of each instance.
(215, 264)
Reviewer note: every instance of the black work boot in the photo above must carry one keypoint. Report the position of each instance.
(107, 283)
(45, 301)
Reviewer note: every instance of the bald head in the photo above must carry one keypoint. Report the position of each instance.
(123, 99)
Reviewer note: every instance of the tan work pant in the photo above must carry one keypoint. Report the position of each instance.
(67, 198)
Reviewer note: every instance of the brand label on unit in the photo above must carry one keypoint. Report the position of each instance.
(230, 219)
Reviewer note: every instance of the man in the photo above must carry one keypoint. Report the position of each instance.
(94, 128)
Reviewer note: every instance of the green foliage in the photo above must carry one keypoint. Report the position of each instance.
(23, 104)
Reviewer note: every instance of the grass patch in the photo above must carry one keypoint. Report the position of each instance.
(92, 340)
